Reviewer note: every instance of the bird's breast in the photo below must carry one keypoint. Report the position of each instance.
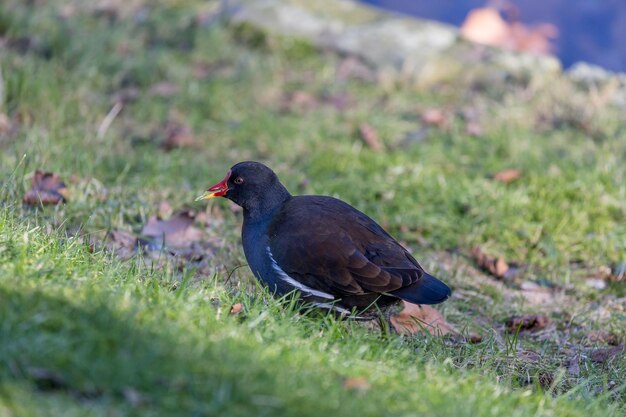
(255, 246)
(262, 262)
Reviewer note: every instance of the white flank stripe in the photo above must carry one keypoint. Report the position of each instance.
(283, 275)
(330, 306)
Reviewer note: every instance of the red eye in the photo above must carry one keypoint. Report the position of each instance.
(238, 180)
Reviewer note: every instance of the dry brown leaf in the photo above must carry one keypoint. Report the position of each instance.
(122, 243)
(435, 117)
(6, 125)
(486, 26)
(415, 318)
(164, 210)
(474, 338)
(358, 383)
(236, 309)
(603, 355)
(340, 101)
(46, 189)
(178, 136)
(164, 89)
(203, 70)
(370, 137)
(123, 239)
(495, 266)
(601, 336)
(299, 101)
(531, 322)
(508, 175)
(474, 129)
(67, 11)
(353, 68)
(178, 231)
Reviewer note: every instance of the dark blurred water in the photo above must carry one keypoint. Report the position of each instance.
(589, 30)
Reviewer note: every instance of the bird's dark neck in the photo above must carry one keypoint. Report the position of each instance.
(264, 207)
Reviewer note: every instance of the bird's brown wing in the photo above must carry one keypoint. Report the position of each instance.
(330, 246)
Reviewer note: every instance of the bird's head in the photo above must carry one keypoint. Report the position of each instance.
(251, 185)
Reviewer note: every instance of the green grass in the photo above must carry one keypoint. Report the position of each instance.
(85, 333)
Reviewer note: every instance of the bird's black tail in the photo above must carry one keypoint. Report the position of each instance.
(428, 290)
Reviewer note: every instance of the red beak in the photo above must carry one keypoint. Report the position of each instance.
(218, 190)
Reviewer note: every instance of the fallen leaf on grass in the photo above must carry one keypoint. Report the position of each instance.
(601, 336)
(435, 117)
(340, 101)
(236, 309)
(353, 68)
(299, 101)
(358, 383)
(508, 175)
(164, 89)
(370, 137)
(177, 231)
(123, 239)
(67, 11)
(203, 71)
(474, 338)
(178, 136)
(6, 125)
(531, 322)
(164, 210)
(46, 189)
(603, 355)
(126, 95)
(415, 318)
(474, 129)
(122, 243)
(495, 266)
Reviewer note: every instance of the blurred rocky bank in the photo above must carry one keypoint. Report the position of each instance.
(406, 49)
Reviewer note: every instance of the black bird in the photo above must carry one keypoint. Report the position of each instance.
(334, 255)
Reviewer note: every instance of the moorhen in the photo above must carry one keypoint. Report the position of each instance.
(336, 257)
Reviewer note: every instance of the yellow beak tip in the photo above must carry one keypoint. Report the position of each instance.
(205, 196)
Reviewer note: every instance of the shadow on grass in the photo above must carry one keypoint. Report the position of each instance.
(86, 349)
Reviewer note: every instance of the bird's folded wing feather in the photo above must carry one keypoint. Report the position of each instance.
(327, 251)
